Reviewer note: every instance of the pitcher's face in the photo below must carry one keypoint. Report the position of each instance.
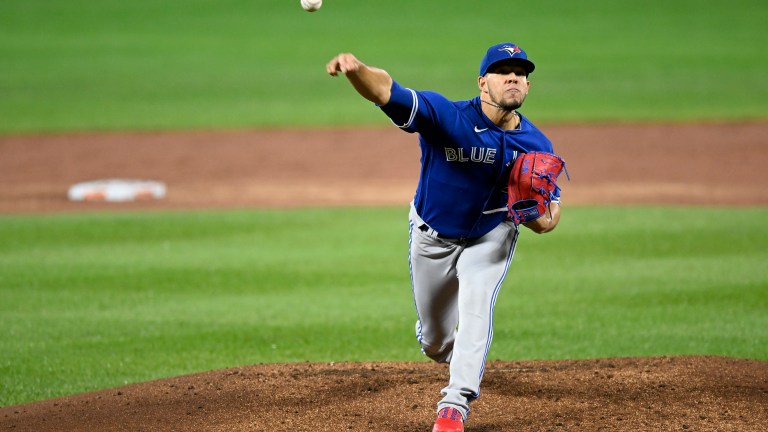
(506, 84)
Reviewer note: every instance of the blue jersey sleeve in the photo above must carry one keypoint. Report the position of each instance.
(402, 106)
(416, 111)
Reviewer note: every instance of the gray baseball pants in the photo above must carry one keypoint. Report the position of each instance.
(455, 285)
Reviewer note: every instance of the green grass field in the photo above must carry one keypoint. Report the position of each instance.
(100, 300)
(160, 64)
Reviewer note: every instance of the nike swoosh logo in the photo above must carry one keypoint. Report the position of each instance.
(480, 130)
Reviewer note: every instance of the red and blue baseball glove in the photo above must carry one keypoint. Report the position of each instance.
(532, 185)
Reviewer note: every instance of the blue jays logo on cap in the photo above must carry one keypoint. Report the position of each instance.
(505, 52)
(512, 50)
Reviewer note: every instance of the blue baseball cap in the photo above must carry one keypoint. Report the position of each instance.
(506, 51)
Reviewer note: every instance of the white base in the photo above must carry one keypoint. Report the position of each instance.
(116, 190)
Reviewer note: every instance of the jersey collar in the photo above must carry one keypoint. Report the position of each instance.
(477, 105)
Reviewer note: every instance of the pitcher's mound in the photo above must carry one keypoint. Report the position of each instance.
(640, 394)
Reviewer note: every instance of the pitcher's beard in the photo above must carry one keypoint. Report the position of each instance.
(510, 106)
(507, 106)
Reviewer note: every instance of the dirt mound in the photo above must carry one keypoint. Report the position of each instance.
(649, 394)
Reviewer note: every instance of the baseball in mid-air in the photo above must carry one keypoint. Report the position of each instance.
(311, 5)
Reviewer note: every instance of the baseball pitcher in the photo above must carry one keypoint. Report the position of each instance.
(486, 170)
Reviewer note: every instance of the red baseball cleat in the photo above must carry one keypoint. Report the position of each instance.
(449, 420)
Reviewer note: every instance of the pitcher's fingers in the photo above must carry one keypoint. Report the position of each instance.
(348, 63)
(333, 67)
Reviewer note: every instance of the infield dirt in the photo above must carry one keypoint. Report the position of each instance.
(694, 164)
(721, 164)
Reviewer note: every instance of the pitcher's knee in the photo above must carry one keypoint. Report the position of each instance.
(441, 354)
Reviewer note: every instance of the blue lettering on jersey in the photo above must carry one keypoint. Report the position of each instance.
(478, 154)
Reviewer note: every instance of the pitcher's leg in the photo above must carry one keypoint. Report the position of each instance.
(435, 293)
(481, 271)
